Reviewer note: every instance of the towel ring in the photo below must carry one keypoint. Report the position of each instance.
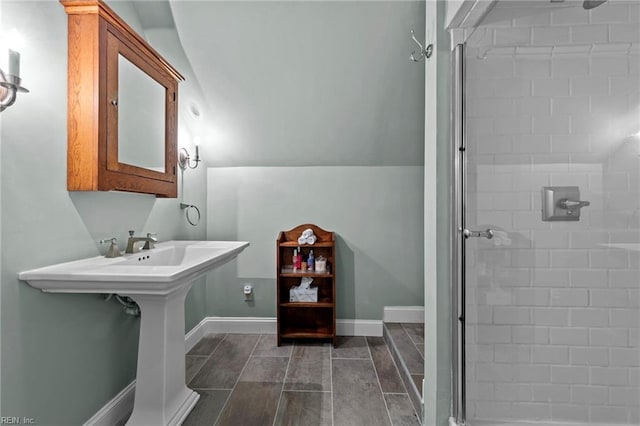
(188, 208)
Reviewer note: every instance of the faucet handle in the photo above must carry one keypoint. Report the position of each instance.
(113, 251)
(131, 232)
(150, 241)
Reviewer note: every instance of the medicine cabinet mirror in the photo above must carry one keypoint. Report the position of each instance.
(141, 118)
(122, 106)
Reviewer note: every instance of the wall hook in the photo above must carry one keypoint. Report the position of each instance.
(424, 52)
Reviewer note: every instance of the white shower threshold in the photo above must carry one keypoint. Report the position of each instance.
(452, 422)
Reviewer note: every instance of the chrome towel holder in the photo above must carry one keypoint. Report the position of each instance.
(188, 208)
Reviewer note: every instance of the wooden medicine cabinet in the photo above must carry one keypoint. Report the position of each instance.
(122, 106)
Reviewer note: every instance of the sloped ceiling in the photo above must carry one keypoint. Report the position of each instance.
(307, 83)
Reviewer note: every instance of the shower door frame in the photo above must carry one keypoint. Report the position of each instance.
(457, 239)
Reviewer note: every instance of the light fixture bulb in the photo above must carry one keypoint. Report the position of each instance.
(14, 40)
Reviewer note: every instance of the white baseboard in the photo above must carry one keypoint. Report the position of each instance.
(347, 327)
(122, 403)
(240, 325)
(413, 314)
(116, 409)
(262, 325)
(194, 335)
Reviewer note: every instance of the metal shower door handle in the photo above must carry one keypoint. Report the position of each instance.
(488, 234)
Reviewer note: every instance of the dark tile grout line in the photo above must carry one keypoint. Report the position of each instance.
(212, 389)
(403, 370)
(415, 345)
(207, 356)
(238, 379)
(126, 416)
(403, 365)
(331, 358)
(357, 359)
(331, 379)
(284, 379)
(406, 391)
(375, 370)
(412, 341)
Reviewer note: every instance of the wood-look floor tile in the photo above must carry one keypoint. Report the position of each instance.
(251, 404)
(408, 351)
(222, 369)
(193, 365)
(309, 369)
(420, 349)
(400, 410)
(267, 346)
(417, 379)
(207, 344)
(254, 399)
(351, 347)
(208, 407)
(357, 399)
(265, 370)
(388, 375)
(415, 332)
(311, 350)
(304, 408)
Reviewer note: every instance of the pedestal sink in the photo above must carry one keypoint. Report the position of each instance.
(158, 280)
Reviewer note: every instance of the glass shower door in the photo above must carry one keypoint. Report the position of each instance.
(552, 147)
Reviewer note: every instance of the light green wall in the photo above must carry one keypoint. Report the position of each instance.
(308, 83)
(323, 124)
(65, 356)
(376, 213)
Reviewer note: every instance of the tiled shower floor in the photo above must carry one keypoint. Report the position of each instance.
(246, 380)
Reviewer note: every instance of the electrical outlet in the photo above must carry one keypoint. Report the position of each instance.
(248, 292)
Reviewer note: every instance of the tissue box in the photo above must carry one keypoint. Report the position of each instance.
(303, 295)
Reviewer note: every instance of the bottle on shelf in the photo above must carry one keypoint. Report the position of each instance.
(298, 260)
(310, 262)
(295, 260)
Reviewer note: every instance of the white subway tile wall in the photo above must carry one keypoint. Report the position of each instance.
(553, 314)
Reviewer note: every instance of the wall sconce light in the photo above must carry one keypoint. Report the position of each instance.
(184, 159)
(10, 84)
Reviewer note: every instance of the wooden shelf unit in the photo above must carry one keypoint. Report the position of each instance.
(306, 320)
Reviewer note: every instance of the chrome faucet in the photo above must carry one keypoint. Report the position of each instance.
(113, 248)
(571, 205)
(149, 241)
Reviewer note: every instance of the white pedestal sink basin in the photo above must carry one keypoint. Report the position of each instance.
(158, 280)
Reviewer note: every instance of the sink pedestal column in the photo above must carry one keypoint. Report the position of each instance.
(162, 397)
